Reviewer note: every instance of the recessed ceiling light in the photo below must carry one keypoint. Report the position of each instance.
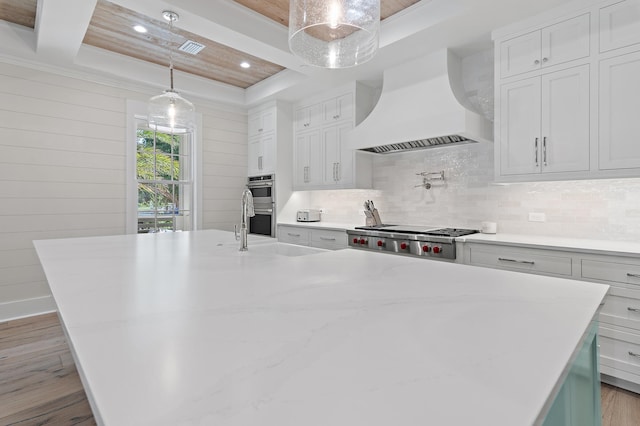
(245, 64)
(140, 29)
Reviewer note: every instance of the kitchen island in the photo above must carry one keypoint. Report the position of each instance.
(182, 329)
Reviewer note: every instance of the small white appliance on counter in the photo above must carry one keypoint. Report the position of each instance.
(309, 215)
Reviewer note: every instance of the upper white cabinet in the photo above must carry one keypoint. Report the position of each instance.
(545, 123)
(619, 25)
(552, 45)
(308, 117)
(268, 127)
(568, 94)
(338, 108)
(620, 112)
(261, 122)
(322, 160)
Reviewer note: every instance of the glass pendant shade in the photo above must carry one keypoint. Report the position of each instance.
(334, 33)
(171, 112)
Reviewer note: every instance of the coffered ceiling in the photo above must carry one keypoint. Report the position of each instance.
(97, 37)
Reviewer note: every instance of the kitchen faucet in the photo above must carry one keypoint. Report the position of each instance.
(247, 211)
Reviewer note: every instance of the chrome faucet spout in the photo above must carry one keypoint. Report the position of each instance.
(247, 211)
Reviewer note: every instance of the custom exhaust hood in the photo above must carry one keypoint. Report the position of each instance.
(422, 105)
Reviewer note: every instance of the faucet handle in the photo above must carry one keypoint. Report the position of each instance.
(235, 232)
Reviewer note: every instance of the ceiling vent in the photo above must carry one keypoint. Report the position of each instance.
(192, 47)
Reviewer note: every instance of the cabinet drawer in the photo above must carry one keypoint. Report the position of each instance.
(620, 349)
(520, 260)
(293, 235)
(614, 272)
(328, 239)
(622, 308)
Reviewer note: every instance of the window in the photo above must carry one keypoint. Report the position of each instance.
(164, 180)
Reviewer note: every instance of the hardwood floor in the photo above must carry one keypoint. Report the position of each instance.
(39, 383)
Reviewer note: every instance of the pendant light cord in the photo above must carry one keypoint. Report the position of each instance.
(172, 18)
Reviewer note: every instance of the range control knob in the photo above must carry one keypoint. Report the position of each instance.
(426, 249)
(355, 241)
(380, 243)
(403, 246)
(437, 250)
(363, 241)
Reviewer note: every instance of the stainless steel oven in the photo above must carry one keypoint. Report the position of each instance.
(263, 190)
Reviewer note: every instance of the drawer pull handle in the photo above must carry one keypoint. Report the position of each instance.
(633, 309)
(292, 235)
(327, 239)
(634, 354)
(629, 274)
(527, 262)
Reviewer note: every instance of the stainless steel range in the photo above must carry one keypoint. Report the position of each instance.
(433, 243)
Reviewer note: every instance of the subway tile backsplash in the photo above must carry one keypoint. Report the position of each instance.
(601, 209)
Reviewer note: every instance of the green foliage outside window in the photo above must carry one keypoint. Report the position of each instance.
(157, 159)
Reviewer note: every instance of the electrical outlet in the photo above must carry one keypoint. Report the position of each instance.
(537, 217)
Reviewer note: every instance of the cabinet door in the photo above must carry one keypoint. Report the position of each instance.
(619, 106)
(308, 117)
(566, 41)
(619, 25)
(261, 122)
(253, 155)
(520, 127)
(267, 159)
(336, 109)
(307, 169)
(565, 120)
(520, 54)
(338, 161)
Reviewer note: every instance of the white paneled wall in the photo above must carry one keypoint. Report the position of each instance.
(600, 209)
(62, 171)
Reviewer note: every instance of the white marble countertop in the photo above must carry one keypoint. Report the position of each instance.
(182, 329)
(626, 248)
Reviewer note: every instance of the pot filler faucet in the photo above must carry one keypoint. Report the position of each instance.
(247, 211)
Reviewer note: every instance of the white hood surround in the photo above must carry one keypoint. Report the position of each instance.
(422, 105)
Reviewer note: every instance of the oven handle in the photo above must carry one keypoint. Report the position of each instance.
(259, 185)
(262, 211)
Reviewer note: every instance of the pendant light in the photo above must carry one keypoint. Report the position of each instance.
(334, 33)
(170, 111)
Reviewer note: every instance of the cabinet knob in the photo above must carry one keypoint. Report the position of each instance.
(536, 62)
(545, 59)
(259, 130)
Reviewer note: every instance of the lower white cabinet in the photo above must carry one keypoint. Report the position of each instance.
(619, 315)
(323, 238)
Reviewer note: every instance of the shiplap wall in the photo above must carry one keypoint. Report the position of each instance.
(62, 171)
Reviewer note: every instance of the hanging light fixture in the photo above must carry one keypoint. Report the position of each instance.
(170, 111)
(334, 33)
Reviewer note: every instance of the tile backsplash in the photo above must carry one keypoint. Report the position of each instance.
(601, 209)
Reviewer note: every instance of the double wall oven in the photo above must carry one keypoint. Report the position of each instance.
(263, 190)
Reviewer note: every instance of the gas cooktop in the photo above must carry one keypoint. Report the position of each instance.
(424, 230)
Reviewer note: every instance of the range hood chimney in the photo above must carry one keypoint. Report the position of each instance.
(422, 105)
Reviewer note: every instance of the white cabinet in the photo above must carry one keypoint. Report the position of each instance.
(337, 159)
(262, 122)
(619, 25)
(338, 108)
(619, 112)
(268, 127)
(520, 259)
(330, 239)
(261, 154)
(545, 123)
(552, 45)
(308, 117)
(308, 168)
(322, 160)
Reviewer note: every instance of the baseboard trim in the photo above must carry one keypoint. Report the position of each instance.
(27, 308)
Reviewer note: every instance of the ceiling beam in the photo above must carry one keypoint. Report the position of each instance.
(60, 28)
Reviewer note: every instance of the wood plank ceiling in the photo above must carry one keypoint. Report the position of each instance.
(111, 29)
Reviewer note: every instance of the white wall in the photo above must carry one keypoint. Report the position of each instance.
(62, 170)
(602, 209)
